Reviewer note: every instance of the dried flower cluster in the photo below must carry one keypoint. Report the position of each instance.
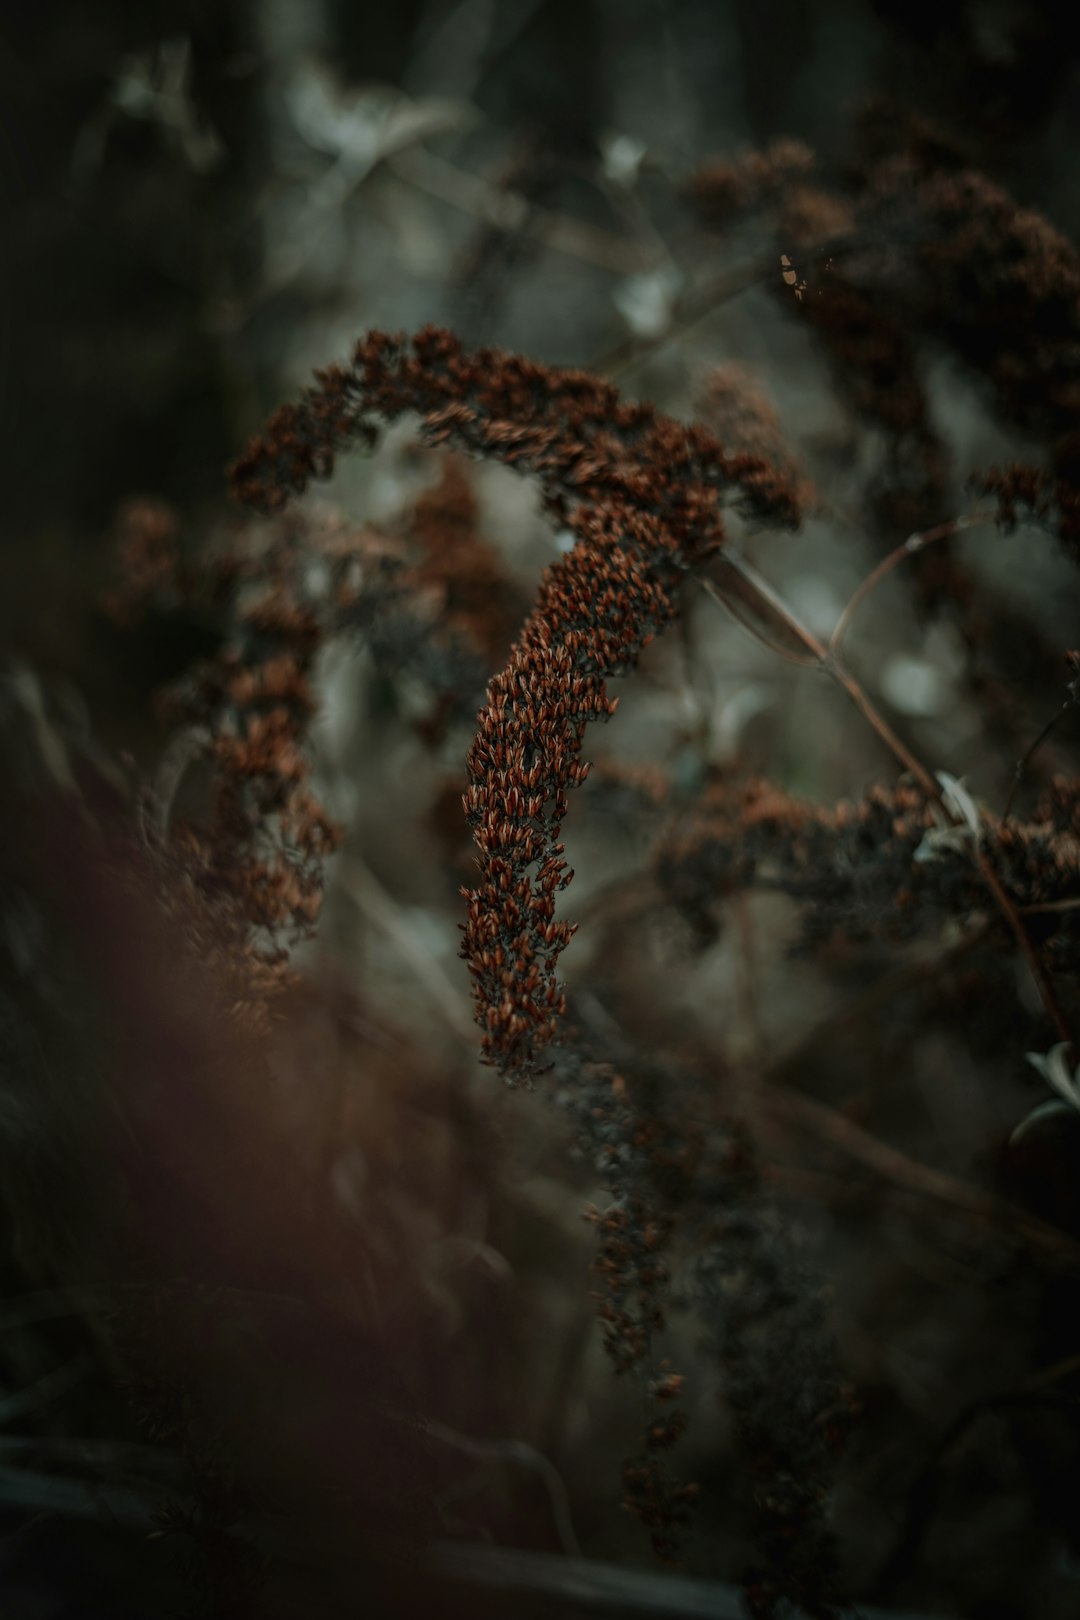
(886, 866)
(766, 1322)
(689, 1214)
(251, 866)
(918, 244)
(472, 602)
(148, 558)
(732, 403)
(751, 181)
(1048, 495)
(432, 599)
(625, 1128)
(642, 496)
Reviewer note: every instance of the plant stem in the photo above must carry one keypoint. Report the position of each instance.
(1022, 764)
(913, 543)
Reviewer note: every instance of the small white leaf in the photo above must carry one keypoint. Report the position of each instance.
(959, 801)
(1055, 1071)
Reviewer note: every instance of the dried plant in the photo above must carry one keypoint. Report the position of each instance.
(908, 896)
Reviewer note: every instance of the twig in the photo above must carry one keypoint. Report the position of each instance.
(86, 1300)
(466, 68)
(1022, 764)
(510, 211)
(890, 1164)
(1049, 906)
(780, 610)
(697, 307)
(699, 304)
(913, 543)
(1043, 981)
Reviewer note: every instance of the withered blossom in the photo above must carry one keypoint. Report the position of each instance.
(642, 495)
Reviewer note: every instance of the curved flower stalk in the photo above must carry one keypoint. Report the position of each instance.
(642, 495)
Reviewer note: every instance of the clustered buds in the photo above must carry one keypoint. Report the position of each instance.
(459, 567)
(147, 554)
(1046, 495)
(750, 181)
(641, 494)
(635, 1277)
(911, 244)
(267, 836)
(626, 1129)
(597, 610)
(876, 867)
(432, 597)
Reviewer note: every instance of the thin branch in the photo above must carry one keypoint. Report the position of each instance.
(510, 211)
(1042, 978)
(890, 1164)
(1022, 764)
(696, 307)
(832, 665)
(699, 304)
(913, 544)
